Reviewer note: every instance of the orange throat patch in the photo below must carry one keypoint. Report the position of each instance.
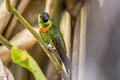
(44, 30)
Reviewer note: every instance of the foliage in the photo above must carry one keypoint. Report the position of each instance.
(22, 58)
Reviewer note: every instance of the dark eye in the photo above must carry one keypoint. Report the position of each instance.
(45, 20)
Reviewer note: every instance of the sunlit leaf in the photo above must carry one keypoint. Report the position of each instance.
(22, 58)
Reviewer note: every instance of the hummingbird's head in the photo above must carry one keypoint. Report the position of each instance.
(44, 18)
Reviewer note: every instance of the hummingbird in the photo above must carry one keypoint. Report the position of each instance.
(53, 38)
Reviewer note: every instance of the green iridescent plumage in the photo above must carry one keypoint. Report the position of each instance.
(53, 38)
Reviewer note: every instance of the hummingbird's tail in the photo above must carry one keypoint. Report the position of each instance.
(63, 56)
(66, 62)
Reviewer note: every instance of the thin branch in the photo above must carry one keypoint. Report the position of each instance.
(5, 42)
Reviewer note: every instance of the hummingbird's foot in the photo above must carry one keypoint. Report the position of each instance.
(49, 46)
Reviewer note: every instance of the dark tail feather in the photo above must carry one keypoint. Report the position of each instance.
(66, 62)
(63, 55)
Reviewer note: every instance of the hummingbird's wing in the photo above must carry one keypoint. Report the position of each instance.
(61, 48)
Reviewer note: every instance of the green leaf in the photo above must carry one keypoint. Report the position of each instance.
(22, 58)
